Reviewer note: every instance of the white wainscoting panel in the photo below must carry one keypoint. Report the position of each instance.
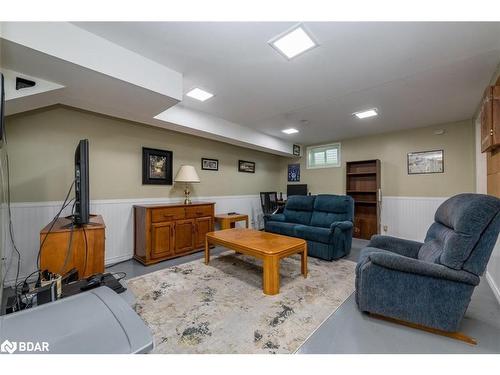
(408, 217)
(29, 218)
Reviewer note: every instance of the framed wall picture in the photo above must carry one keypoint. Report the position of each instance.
(246, 166)
(425, 162)
(293, 172)
(209, 164)
(296, 150)
(156, 167)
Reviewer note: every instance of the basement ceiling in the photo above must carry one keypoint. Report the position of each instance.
(416, 74)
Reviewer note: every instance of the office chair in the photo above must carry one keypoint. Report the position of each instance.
(268, 201)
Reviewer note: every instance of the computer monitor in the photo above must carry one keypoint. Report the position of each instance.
(296, 189)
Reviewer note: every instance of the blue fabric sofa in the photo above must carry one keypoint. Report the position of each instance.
(324, 221)
(431, 283)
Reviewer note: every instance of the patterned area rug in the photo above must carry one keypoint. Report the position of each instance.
(220, 308)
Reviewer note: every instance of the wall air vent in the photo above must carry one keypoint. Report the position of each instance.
(23, 83)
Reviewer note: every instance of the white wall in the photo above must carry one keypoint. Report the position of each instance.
(408, 217)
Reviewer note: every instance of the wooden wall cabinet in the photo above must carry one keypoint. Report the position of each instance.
(164, 231)
(490, 119)
(363, 185)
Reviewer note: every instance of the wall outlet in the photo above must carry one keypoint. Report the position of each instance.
(385, 228)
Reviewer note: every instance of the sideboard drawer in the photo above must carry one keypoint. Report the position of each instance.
(167, 214)
(199, 211)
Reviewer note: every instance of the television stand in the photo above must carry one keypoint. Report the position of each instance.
(87, 246)
(72, 223)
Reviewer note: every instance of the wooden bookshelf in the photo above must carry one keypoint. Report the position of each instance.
(363, 185)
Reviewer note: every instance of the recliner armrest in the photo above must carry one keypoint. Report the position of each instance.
(342, 225)
(419, 267)
(276, 217)
(399, 246)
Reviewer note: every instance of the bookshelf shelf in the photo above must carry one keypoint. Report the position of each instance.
(363, 185)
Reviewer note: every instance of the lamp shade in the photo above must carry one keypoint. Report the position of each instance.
(187, 173)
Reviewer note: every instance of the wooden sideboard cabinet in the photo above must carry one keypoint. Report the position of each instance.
(490, 119)
(164, 231)
(87, 247)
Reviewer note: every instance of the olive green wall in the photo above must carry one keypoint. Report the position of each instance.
(42, 143)
(391, 149)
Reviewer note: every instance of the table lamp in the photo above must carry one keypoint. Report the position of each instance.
(188, 175)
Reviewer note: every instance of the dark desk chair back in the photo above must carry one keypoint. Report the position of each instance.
(269, 202)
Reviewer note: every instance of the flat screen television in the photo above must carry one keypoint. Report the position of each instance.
(82, 200)
(2, 106)
(296, 189)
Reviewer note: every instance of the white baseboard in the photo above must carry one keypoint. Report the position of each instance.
(118, 259)
(494, 287)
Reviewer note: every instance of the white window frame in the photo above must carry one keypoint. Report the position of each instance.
(330, 145)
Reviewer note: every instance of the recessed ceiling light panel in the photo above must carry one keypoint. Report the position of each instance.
(290, 131)
(199, 94)
(293, 42)
(365, 114)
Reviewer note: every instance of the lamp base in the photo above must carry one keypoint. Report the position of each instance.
(187, 193)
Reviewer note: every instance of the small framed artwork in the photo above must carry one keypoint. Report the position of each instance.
(156, 167)
(246, 166)
(296, 150)
(293, 172)
(209, 164)
(425, 162)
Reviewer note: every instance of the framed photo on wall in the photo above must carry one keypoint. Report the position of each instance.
(156, 167)
(246, 166)
(293, 172)
(209, 164)
(425, 162)
(296, 150)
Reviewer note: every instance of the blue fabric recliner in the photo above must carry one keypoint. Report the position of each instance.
(431, 283)
(324, 221)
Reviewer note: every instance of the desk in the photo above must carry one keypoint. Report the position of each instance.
(228, 221)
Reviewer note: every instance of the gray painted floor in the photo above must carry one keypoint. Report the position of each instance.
(348, 330)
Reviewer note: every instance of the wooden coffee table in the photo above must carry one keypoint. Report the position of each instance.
(269, 247)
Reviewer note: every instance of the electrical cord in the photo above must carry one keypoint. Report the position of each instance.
(70, 242)
(64, 205)
(9, 211)
(38, 270)
(86, 249)
(120, 273)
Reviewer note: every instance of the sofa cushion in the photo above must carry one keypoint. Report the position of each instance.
(301, 202)
(315, 234)
(459, 223)
(298, 209)
(287, 229)
(330, 208)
